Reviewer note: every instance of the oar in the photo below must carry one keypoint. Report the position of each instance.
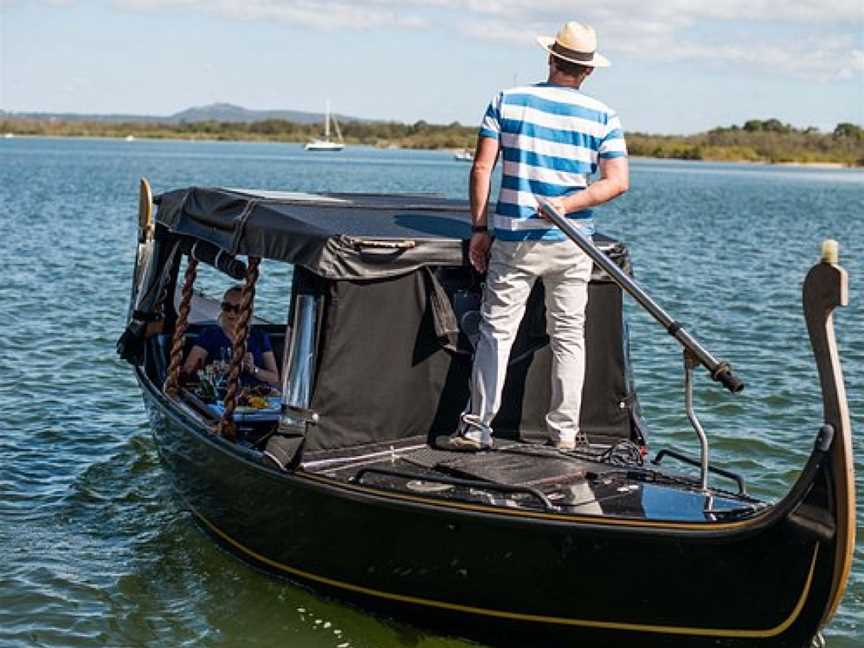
(720, 370)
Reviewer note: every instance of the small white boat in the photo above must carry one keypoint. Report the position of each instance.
(464, 155)
(130, 138)
(327, 144)
(8, 135)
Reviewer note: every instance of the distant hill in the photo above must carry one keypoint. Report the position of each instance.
(221, 112)
(226, 112)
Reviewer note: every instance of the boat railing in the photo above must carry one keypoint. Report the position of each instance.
(689, 364)
(665, 452)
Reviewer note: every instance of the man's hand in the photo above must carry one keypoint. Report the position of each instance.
(485, 158)
(614, 181)
(478, 250)
(557, 203)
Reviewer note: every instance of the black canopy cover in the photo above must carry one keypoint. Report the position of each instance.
(334, 235)
(390, 268)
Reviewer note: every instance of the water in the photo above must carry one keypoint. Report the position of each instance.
(94, 549)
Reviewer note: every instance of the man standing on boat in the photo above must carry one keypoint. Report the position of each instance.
(552, 138)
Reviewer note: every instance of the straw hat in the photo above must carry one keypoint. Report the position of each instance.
(576, 43)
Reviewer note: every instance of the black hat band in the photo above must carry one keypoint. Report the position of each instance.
(572, 54)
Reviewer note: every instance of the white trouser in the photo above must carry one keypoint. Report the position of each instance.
(513, 268)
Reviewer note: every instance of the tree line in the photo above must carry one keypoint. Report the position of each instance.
(758, 141)
(755, 141)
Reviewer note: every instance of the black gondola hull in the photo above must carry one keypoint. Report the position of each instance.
(605, 581)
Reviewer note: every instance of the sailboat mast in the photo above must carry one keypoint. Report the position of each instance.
(327, 121)
(338, 132)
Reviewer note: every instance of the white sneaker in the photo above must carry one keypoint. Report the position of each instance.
(578, 441)
(462, 443)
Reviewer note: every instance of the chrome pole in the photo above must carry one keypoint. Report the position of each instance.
(689, 364)
(299, 370)
(719, 370)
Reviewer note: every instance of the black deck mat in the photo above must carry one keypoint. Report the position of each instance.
(513, 464)
(430, 457)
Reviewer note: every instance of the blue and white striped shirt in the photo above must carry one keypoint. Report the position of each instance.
(551, 138)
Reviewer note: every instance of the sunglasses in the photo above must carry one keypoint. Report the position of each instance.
(230, 308)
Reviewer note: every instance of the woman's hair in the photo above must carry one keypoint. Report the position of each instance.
(235, 288)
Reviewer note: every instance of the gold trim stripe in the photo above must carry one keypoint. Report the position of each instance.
(517, 616)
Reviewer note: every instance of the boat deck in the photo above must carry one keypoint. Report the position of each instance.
(607, 481)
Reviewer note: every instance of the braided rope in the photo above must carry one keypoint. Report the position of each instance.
(172, 380)
(226, 427)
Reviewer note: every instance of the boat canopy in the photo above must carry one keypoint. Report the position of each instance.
(394, 298)
(333, 235)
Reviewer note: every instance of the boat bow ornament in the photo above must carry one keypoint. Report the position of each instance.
(335, 483)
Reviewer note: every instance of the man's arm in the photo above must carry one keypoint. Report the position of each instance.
(614, 181)
(479, 187)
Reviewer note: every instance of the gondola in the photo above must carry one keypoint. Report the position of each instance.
(343, 488)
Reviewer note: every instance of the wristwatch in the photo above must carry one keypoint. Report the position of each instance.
(476, 229)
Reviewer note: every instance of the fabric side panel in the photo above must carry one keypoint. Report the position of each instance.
(382, 368)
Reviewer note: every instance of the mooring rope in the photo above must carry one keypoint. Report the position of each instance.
(172, 380)
(226, 427)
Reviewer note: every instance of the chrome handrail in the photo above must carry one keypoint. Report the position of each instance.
(690, 362)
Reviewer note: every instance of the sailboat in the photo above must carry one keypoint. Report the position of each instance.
(327, 144)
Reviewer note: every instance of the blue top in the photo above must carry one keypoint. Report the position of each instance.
(551, 140)
(218, 347)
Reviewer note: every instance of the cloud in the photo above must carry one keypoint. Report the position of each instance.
(11, 4)
(811, 39)
(671, 11)
(659, 12)
(806, 39)
(853, 68)
(324, 15)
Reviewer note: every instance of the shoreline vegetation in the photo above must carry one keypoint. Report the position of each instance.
(768, 141)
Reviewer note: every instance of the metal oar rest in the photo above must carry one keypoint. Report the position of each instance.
(694, 352)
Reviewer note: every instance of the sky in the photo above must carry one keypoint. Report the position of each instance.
(678, 66)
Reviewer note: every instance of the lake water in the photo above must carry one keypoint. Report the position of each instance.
(94, 551)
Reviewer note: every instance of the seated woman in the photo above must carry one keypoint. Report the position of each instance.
(215, 343)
